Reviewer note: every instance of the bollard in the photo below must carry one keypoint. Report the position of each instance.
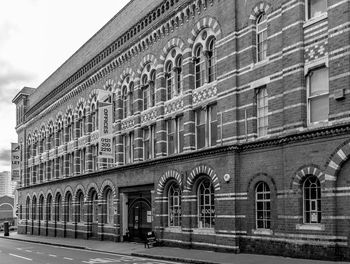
(6, 229)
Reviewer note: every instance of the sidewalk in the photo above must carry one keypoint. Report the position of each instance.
(164, 253)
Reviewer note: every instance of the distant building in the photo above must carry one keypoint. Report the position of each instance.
(6, 185)
(230, 130)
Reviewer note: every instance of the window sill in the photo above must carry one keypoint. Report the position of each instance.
(260, 63)
(203, 231)
(265, 232)
(315, 19)
(310, 227)
(318, 124)
(173, 229)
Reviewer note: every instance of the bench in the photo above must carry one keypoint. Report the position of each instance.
(151, 239)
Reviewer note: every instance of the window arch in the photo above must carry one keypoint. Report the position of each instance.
(261, 37)
(262, 206)
(178, 74)
(211, 60)
(312, 200)
(148, 81)
(169, 79)
(94, 206)
(145, 92)
(48, 207)
(34, 208)
(41, 208)
(206, 206)
(125, 101)
(58, 208)
(80, 207)
(174, 205)
(152, 91)
(199, 67)
(69, 208)
(109, 208)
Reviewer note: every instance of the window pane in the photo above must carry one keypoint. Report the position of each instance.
(317, 7)
(319, 108)
(171, 134)
(319, 82)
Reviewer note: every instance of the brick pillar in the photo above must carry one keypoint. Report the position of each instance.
(118, 138)
(138, 108)
(87, 218)
(65, 157)
(161, 144)
(189, 117)
(101, 216)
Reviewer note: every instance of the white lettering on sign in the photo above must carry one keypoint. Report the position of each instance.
(15, 161)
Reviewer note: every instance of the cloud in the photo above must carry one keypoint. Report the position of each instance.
(11, 81)
(5, 157)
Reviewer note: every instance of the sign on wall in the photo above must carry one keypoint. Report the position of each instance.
(15, 161)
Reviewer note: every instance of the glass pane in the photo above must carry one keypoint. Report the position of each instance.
(319, 108)
(319, 82)
(317, 7)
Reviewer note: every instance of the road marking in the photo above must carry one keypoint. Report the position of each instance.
(40, 253)
(53, 256)
(68, 258)
(20, 257)
(28, 250)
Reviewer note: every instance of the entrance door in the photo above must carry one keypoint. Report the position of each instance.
(139, 219)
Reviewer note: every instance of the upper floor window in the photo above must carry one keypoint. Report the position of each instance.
(125, 101)
(175, 138)
(145, 92)
(169, 79)
(148, 82)
(129, 147)
(261, 37)
(312, 200)
(206, 126)
(94, 118)
(211, 60)
(206, 206)
(263, 206)
(199, 67)
(316, 8)
(149, 142)
(262, 111)
(81, 124)
(152, 92)
(318, 95)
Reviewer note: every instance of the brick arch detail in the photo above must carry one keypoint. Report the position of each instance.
(336, 160)
(206, 22)
(78, 188)
(57, 191)
(110, 184)
(202, 169)
(110, 84)
(92, 99)
(175, 42)
(170, 174)
(259, 8)
(69, 189)
(89, 187)
(300, 175)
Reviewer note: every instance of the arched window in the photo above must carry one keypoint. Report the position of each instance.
(125, 101)
(58, 208)
(178, 73)
(211, 60)
(81, 124)
(206, 206)
(174, 205)
(263, 206)
(70, 129)
(169, 79)
(94, 206)
(41, 208)
(48, 207)
(199, 67)
(69, 208)
(109, 207)
(145, 92)
(131, 99)
(34, 208)
(261, 37)
(80, 208)
(152, 91)
(93, 118)
(312, 200)
(27, 208)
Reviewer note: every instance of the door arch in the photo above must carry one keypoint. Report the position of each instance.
(139, 219)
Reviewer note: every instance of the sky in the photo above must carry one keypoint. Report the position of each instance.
(36, 37)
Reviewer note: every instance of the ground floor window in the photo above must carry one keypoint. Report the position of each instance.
(206, 206)
(263, 206)
(312, 200)
(174, 203)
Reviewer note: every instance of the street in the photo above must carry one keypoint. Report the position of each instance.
(18, 252)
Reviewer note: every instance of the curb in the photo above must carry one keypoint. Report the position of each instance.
(43, 242)
(183, 260)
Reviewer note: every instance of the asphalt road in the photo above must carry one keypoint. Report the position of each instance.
(18, 252)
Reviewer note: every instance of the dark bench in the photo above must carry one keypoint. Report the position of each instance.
(151, 239)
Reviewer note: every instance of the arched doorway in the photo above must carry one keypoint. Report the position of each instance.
(139, 219)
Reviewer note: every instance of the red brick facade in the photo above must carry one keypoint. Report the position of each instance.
(229, 116)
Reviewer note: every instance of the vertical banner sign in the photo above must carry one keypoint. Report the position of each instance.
(105, 128)
(15, 161)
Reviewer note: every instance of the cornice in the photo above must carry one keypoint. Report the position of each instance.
(338, 130)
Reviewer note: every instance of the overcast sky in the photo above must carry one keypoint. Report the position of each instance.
(36, 37)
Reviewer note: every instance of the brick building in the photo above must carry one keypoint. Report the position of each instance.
(230, 129)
